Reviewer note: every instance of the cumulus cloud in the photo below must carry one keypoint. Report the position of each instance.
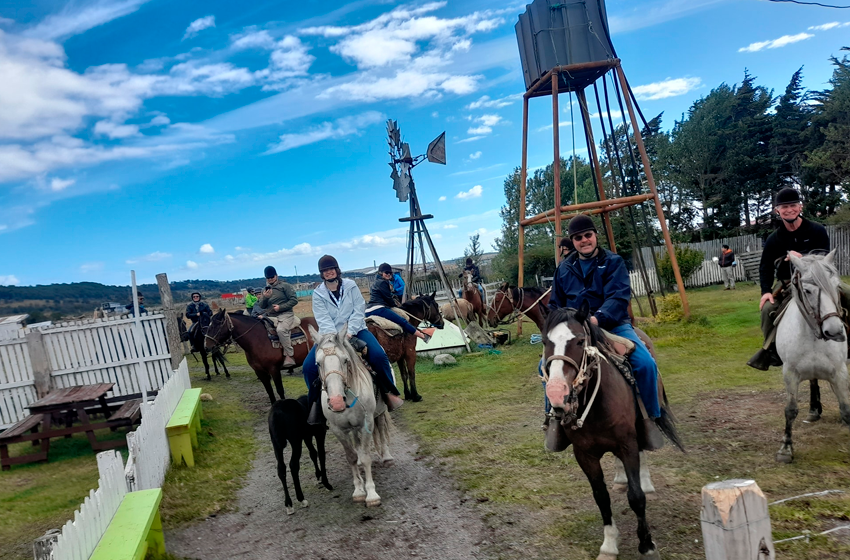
(476, 155)
(113, 130)
(206, 248)
(156, 256)
(57, 184)
(191, 265)
(442, 199)
(486, 124)
(340, 128)
(8, 280)
(776, 43)
(484, 102)
(474, 192)
(671, 87)
(199, 25)
(449, 226)
(404, 83)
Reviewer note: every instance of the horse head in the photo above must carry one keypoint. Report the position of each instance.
(567, 338)
(816, 291)
(468, 283)
(502, 306)
(431, 311)
(335, 359)
(219, 331)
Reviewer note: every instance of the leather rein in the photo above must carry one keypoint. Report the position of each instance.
(515, 305)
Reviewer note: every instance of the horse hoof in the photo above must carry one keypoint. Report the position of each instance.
(290, 511)
(305, 503)
(813, 417)
(359, 499)
(416, 398)
(651, 555)
(388, 462)
(786, 458)
(619, 487)
(604, 556)
(373, 503)
(407, 396)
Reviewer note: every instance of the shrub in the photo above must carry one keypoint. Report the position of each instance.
(689, 262)
(669, 309)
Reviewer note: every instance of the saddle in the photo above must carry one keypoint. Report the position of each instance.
(297, 334)
(618, 345)
(385, 325)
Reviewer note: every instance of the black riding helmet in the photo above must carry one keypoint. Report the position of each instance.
(568, 243)
(327, 262)
(787, 196)
(580, 224)
(196, 294)
(269, 272)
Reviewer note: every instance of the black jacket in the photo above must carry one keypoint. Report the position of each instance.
(199, 311)
(805, 239)
(381, 293)
(726, 259)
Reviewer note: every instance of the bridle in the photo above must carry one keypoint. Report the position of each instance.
(515, 304)
(331, 350)
(429, 307)
(591, 358)
(811, 314)
(228, 322)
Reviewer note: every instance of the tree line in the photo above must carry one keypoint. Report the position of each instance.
(716, 169)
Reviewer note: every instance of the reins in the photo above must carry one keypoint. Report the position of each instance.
(591, 358)
(516, 310)
(811, 315)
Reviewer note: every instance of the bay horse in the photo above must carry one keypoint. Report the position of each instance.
(401, 349)
(195, 337)
(530, 302)
(355, 416)
(250, 334)
(598, 415)
(811, 341)
(473, 296)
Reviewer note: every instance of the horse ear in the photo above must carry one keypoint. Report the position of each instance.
(583, 312)
(313, 334)
(796, 261)
(434, 294)
(830, 257)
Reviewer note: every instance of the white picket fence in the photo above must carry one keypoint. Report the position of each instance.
(146, 466)
(132, 354)
(707, 274)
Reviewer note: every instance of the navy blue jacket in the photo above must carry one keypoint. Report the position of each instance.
(606, 289)
(199, 312)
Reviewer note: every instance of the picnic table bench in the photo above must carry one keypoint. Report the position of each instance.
(134, 528)
(182, 429)
(55, 415)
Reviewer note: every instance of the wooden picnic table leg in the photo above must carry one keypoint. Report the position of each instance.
(104, 406)
(45, 429)
(84, 418)
(4, 457)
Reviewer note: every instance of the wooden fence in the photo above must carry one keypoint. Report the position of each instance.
(132, 353)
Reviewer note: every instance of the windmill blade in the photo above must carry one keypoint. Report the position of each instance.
(437, 149)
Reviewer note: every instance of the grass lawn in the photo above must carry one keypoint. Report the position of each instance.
(482, 419)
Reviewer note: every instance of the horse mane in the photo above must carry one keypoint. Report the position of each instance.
(820, 273)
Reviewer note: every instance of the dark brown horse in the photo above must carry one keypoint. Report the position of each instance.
(531, 303)
(596, 410)
(195, 337)
(250, 334)
(473, 296)
(401, 349)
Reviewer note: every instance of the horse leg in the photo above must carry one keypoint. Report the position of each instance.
(381, 439)
(621, 480)
(402, 370)
(841, 387)
(410, 356)
(264, 379)
(593, 470)
(281, 474)
(320, 447)
(222, 362)
(295, 468)
(364, 456)
(351, 444)
(314, 456)
(815, 408)
(278, 383)
(206, 363)
(786, 452)
(637, 501)
(645, 480)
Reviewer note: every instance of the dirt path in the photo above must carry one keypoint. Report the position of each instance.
(423, 515)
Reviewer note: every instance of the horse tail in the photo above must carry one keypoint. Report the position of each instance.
(667, 423)
(381, 433)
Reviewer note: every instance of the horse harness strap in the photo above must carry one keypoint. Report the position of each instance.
(591, 358)
(809, 313)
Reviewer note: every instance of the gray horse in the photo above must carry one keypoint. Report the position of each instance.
(810, 338)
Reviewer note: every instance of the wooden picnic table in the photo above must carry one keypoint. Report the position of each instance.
(54, 416)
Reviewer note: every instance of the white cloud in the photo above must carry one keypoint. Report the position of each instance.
(340, 128)
(87, 268)
(113, 130)
(484, 102)
(156, 256)
(450, 226)
(486, 124)
(57, 184)
(206, 248)
(476, 155)
(191, 265)
(199, 25)
(470, 139)
(671, 87)
(776, 43)
(828, 26)
(442, 199)
(474, 192)
(160, 120)
(479, 130)
(614, 115)
(242, 248)
(74, 18)
(404, 83)
(8, 280)
(561, 124)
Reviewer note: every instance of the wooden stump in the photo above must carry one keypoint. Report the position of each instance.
(735, 521)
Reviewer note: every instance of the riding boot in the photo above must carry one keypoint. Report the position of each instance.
(556, 436)
(763, 359)
(392, 401)
(288, 361)
(651, 438)
(316, 418)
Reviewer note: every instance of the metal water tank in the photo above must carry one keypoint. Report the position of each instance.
(559, 33)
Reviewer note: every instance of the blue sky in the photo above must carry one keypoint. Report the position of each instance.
(207, 140)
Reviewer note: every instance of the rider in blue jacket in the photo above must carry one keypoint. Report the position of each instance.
(600, 277)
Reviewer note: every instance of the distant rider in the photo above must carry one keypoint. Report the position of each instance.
(199, 312)
(279, 299)
(382, 301)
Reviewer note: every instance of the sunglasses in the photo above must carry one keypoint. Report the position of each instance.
(579, 236)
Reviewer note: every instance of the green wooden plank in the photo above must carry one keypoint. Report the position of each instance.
(126, 537)
(182, 415)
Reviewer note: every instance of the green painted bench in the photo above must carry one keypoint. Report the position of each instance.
(135, 528)
(182, 429)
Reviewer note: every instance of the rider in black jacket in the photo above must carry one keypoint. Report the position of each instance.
(198, 311)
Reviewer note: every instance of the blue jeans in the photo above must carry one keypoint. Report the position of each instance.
(644, 369)
(376, 357)
(547, 406)
(480, 291)
(391, 315)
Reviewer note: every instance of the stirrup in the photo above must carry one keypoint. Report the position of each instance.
(316, 418)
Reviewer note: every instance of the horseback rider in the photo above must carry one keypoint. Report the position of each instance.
(398, 287)
(382, 299)
(599, 277)
(338, 304)
(199, 312)
(565, 248)
(278, 300)
(131, 311)
(250, 299)
(796, 236)
(476, 275)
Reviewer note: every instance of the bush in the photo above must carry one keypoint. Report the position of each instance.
(669, 309)
(689, 262)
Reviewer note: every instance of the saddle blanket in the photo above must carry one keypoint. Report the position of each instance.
(385, 324)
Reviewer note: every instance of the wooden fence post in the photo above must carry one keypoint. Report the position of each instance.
(41, 370)
(735, 521)
(172, 331)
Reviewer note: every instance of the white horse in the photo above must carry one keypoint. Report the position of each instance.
(810, 339)
(355, 416)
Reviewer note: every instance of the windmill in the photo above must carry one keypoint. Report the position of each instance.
(402, 163)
